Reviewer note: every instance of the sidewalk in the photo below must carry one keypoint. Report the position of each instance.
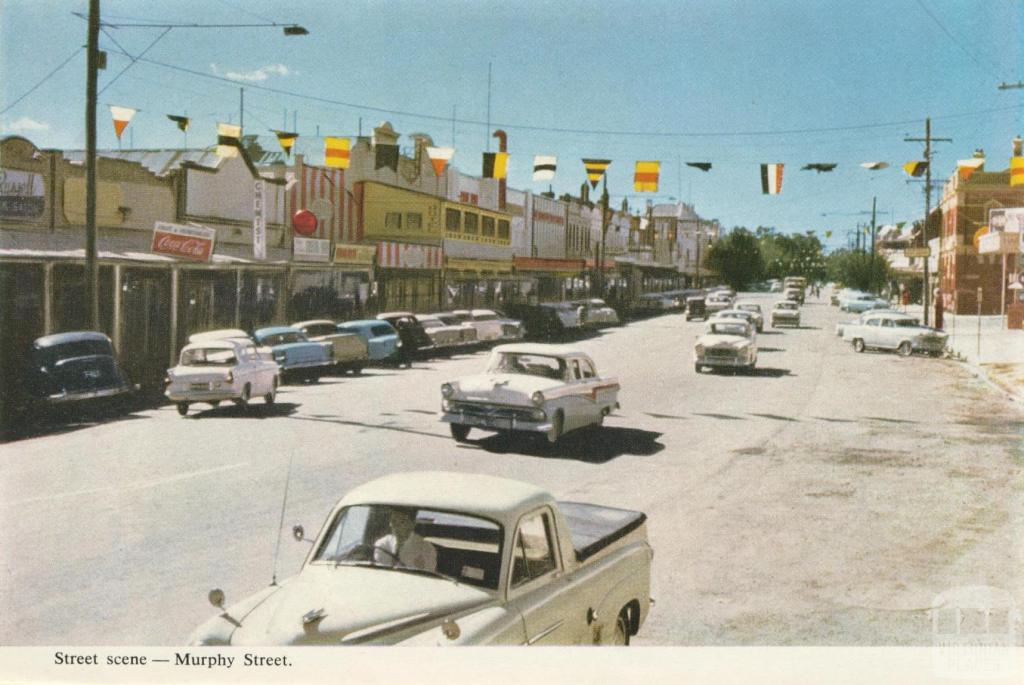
(996, 353)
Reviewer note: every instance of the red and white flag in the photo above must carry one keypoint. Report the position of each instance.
(771, 179)
(121, 115)
(439, 157)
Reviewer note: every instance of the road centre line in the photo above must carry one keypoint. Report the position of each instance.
(141, 485)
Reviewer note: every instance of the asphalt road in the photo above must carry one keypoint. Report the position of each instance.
(825, 500)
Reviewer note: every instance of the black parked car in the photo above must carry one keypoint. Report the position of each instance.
(547, 321)
(66, 371)
(416, 344)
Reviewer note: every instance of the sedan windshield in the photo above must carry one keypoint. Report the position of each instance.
(461, 547)
(528, 364)
(208, 356)
(724, 328)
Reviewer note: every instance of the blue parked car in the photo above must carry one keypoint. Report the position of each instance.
(382, 342)
(862, 302)
(299, 357)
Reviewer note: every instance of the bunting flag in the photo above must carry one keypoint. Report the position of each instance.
(385, 156)
(544, 167)
(703, 166)
(336, 152)
(286, 140)
(439, 157)
(182, 122)
(645, 178)
(1017, 171)
(595, 170)
(771, 179)
(229, 138)
(916, 168)
(874, 166)
(495, 164)
(818, 167)
(121, 115)
(966, 167)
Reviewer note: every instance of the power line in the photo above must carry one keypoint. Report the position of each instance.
(133, 59)
(43, 80)
(954, 38)
(596, 132)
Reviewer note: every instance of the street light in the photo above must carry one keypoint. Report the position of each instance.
(92, 69)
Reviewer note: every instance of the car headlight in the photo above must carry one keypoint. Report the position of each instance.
(538, 415)
(699, 349)
(398, 343)
(537, 398)
(446, 405)
(447, 390)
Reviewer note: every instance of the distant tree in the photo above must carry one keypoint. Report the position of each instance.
(791, 254)
(857, 269)
(737, 259)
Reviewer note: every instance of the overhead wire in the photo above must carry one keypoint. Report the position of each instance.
(43, 80)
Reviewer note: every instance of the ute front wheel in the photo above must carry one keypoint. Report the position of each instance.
(858, 345)
(905, 349)
(459, 431)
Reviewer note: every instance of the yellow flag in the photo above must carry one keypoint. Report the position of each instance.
(336, 152)
(1017, 171)
(645, 178)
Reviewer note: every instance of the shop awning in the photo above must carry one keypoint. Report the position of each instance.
(496, 266)
(127, 256)
(554, 267)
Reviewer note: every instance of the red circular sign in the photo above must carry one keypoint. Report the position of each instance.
(304, 222)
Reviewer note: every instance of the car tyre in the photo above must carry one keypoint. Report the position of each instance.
(460, 431)
(557, 426)
(215, 403)
(858, 345)
(246, 395)
(620, 633)
(356, 370)
(905, 349)
(697, 368)
(271, 396)
(182, 408)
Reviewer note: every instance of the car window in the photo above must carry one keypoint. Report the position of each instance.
(873, 322)
(887, 323)
(906, 323)
(283, 338)
(588, 369)
(576, 373)
(533, 556)
(528, 364)
(381, 330)
(485, 317)
(204, 356)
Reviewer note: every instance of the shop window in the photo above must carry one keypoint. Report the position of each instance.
(452, 220)
(393, 221)
(470, 226)
(414, 221)
(487, 227)
(70, 307)
(503, 231)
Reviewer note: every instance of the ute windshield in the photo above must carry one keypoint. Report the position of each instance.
(541, 365)
(456, 546)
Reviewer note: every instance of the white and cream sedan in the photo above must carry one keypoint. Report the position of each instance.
(541, 389)
(214, 370)
(727, 343)
(895, 331)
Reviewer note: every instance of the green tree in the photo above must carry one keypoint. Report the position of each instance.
(737, 259)
(857, 269)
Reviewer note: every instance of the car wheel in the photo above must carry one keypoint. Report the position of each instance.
(356, 370)
(215, 404)
(858, 345)
(182, 408)
(271, 396)
(620, 633)
(557, 425)
(905, 349)
(246, 395)
(460, 431)
(696, 368)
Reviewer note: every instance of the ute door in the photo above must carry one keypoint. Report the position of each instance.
(553, 611)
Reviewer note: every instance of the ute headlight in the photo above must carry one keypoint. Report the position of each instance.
(699, 349)
(447, 390)
(537, 398)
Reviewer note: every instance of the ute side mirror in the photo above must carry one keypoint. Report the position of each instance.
(299, 533)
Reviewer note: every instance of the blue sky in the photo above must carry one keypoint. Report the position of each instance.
(736, 83)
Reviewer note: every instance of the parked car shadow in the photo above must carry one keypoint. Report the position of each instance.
(769, 349)
(63, 423)
(591, 445)
(769, 332)
(257, 409)
(769, 372)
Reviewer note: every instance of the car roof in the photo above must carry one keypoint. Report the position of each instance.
(73, 336)
(313, 322)
(364, 323)
(478, 312)
(220, 334)
(393, 315)
(883, 314)
(541, 348)
(271, 330)
(726, 312)
(218, 344)
(489, 496)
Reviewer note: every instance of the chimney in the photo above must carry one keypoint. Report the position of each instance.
(979, 154)
(584, 192)
(1017, 146)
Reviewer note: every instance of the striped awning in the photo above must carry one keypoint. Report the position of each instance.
(395, 255)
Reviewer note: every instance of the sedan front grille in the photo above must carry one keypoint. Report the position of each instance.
(720, 353)
(494, 411)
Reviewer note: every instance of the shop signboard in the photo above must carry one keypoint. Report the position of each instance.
(191, 241)
(354, 254)
(21, 194)
(1008, 219)
(913, 252)
(395, 255)
(259, 219)
(311, 249)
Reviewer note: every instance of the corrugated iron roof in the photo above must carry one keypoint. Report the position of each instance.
(163, 162)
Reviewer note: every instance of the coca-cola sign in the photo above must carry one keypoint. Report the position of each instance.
(186, 242)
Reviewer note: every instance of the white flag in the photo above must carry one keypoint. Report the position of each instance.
(544, 167)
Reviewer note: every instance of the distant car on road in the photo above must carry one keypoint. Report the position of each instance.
(785, 313)
(696, 308)
(842, 325)
(547, 321)
(719, 300)
(726, 343)
(433, 558)
(736, 315)
(541, 389)
(755, 309)
(216, 370)
(895, 331)
(597, 313)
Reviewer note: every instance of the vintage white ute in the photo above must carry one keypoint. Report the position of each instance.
(545, 389)
(894, 331)
(211, 370)
(435, 558)
(727, 343)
